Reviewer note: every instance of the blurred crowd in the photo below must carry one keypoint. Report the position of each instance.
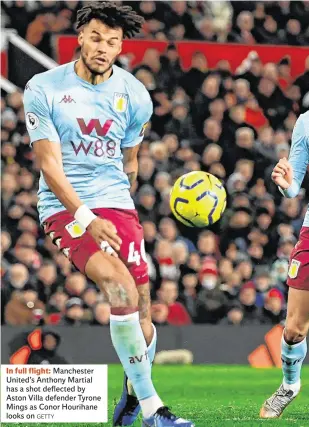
(233, 125)
(275, 22)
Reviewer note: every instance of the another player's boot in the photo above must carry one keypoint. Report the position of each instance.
(128, 407)
(276, 404)
(164, 418)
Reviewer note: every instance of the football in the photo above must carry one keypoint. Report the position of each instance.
(198, 199)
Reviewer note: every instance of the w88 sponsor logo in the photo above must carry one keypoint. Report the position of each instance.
(100, 148)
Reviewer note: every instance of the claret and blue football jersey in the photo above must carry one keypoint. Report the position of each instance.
(93, 123)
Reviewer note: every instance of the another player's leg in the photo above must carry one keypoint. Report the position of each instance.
(293, 352)
(128, 339)
(128, 407)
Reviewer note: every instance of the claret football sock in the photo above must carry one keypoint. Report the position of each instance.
(292, 360)
(130, 345)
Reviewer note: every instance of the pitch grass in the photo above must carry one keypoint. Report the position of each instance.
(215, 396)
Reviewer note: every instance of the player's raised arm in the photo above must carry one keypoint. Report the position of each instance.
(289, 174)
(47, 149)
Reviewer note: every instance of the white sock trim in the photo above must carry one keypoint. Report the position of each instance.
(150, 405)
(125, 317)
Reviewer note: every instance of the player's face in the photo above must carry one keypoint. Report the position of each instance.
(100, 46)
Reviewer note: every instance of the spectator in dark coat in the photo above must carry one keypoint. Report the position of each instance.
(211, 301)
(193, 79)
(247, 297)
(273, 310)
(235, 315)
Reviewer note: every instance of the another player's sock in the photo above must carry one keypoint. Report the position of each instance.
(292, 360)
(130, 345)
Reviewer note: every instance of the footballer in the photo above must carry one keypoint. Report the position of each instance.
(289, 175)
(86, 120)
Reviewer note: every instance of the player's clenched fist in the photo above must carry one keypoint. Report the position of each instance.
(282, 174)
(103, 230)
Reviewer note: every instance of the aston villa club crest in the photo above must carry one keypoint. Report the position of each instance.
(294, 267)
(120, 102)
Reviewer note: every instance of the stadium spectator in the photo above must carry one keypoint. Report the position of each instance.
(211, 301)
(247, 297)
(273, 310)
(74, 312)
(101, 313)
(177, 313)
(224, 20)
(235, 315)
(24, 308)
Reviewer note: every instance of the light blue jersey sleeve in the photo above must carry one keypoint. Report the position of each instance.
(141, 113)
(299, 156)
(37, 113)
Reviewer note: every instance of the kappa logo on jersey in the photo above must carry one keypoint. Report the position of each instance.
(120, 102)
(294, 267)
(32, 121)
(75, 229)
(67, 99)
(144, 127)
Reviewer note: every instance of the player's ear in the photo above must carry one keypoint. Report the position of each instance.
(80, 38)
(119, 48)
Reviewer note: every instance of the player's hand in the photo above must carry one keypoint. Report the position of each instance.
(282, 174)
(102, 231)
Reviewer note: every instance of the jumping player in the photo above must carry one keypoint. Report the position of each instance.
(86, 120)
(288, 175)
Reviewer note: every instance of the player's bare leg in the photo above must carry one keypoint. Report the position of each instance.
(293, 352)
(144, 305)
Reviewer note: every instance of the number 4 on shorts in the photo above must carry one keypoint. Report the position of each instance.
(134, 256)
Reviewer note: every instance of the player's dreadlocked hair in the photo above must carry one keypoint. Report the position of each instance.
(111, 15)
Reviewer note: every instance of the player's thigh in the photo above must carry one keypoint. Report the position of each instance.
(132, 251)
(82, 250)
(71, 239)
(106, 271)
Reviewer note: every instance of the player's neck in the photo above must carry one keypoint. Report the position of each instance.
(84, 73)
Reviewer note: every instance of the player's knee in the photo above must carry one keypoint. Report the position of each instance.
(295, 332)
(120, 293)
(124, 298)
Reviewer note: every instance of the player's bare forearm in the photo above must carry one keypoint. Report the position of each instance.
(130, 163)
(132, 177)
(48, 156)
(59, 184)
